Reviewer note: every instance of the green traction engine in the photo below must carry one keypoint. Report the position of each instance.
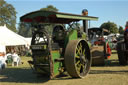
(58, 44)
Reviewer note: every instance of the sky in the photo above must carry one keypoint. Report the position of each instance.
(107, 10)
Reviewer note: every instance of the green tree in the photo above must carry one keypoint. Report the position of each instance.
(7, 15)
(25, 29)
(110, 26)
(121, 30)
(50, 8)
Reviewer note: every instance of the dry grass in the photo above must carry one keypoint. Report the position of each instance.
(110, 74)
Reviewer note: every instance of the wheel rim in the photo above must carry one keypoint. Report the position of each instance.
(80, 59)
(77, 58)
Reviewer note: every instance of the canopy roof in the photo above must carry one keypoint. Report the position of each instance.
(9, 38)
(98, 29)
(53, 17)
(95, 29)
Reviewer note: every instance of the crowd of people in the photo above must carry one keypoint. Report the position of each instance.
(10, 55)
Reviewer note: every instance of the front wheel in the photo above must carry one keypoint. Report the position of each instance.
(77, 58)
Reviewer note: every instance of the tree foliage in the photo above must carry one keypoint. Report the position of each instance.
(7, 15)
(121, 30)
(110, 26)
(50, 8)
(25, 29)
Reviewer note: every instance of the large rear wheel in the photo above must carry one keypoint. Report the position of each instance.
(77, 58)
(40, 52)
(121, 53)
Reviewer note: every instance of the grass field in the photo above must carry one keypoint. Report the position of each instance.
(110, 74)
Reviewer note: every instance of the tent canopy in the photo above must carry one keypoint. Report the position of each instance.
(10, 38)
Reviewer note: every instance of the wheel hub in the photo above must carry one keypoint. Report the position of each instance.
(82, 59)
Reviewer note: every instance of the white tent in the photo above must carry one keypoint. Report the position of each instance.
(2, 48)
(28, 40)
(10, 38)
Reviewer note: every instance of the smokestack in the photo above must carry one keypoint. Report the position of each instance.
(85, 22)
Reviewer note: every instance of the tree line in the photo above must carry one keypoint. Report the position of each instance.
(8, 17)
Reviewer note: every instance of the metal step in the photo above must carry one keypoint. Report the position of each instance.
(59, 60)
(42, 64)
(31, 62)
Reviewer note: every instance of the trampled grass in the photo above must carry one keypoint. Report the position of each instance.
(110, 74)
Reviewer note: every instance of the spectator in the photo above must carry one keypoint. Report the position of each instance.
(2, 60)
(16, 59)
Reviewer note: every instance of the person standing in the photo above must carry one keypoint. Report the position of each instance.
(2, 60)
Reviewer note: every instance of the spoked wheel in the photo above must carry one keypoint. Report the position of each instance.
(40, 40)
(40, 49)
(77, 58)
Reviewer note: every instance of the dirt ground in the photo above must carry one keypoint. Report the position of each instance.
(110, 74)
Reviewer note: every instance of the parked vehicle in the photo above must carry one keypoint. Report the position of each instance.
(100, 47)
